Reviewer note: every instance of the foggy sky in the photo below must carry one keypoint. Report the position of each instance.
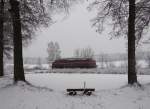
(74, 32)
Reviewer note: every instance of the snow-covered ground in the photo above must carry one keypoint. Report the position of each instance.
(48, 92)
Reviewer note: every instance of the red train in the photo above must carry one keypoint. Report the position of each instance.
(74, 63)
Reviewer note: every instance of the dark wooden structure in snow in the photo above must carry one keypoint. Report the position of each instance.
(86, 91)
(74, 63)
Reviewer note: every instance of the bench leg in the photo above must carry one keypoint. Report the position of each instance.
(87, 93)
(72, 93)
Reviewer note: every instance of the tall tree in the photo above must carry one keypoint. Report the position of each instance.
(132, 78)
(130, 19)
(27, 16)
(1, 37)
(5, 34)
(33, 14)
(17, 40)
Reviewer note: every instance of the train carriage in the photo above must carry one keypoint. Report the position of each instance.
(74, 63)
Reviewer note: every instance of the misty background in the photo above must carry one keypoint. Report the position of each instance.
(74, 31)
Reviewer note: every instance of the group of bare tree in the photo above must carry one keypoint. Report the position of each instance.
(84, 53)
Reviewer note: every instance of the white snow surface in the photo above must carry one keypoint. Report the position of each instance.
(48, 91)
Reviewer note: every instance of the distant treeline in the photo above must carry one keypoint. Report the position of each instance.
(121, 56)
(108, 57)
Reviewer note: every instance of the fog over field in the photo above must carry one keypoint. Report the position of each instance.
(71, 36)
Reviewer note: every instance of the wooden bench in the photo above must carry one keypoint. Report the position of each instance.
(86, 91)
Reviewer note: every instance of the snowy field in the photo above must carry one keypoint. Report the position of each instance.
(48, 92)
(115, 67)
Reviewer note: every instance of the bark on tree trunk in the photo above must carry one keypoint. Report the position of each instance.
(132, 78)
(1, 38)
(17, 40)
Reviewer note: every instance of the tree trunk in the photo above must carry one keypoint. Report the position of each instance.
(1, 38)
(132, 78)
(17, 40)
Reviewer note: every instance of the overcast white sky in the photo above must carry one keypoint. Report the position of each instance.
(74, 32)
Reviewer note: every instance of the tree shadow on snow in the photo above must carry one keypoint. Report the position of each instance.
(135, 86)
(26, 86)
(38, 87)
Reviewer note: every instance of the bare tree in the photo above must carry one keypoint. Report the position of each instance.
(1, 37)
(132, 78)
(32, 15)
(27, 16)
(130, 19)
(39, 63)
(6, 33)
(59, 6)
(77, 53)
(103, 59)
(53, 51)
(147, 59)
(18, 59)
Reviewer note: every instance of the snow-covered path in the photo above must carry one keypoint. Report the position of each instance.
(111, 92)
